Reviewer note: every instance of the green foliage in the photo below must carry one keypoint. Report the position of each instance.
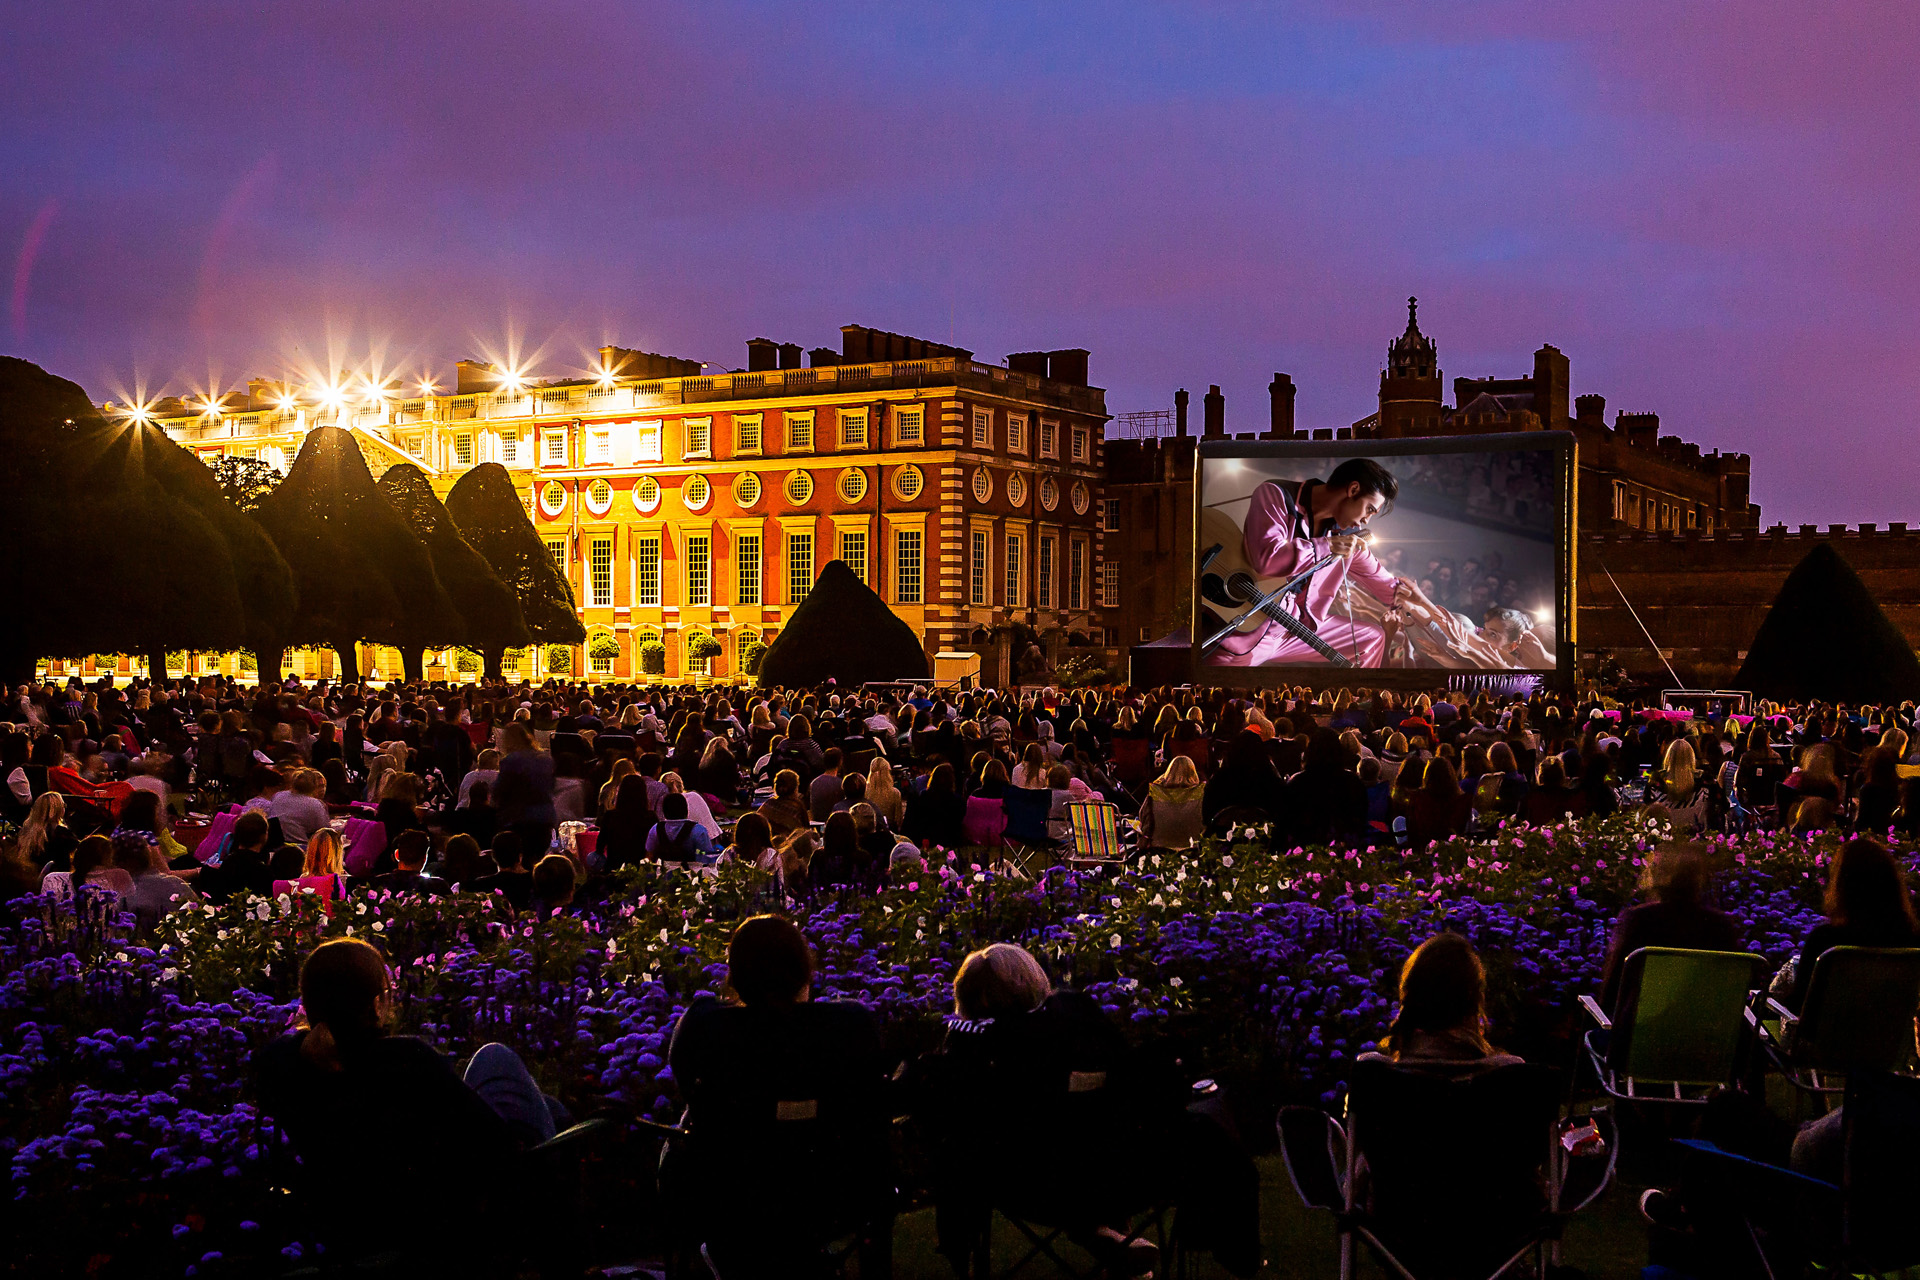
(488, 608)
(844, 632)
(360, 571)
(653, 658)
(559, 659)
(702, 645)
(466, 660)
(1083, 668)
(602, 646)
(176, 660)
(750, 655)
(244, 481)
(486, 509)
(248, 662)
(106, 661)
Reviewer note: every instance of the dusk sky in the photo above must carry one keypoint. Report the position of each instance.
(1707, 206)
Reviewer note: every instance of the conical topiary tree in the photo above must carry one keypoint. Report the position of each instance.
(486, 509)
(842, 631)
(359, 571)
(1826, 638)
(489, 607)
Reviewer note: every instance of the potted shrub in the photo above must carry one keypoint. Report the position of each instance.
(603, 649)
(653, 658)
(560, 659)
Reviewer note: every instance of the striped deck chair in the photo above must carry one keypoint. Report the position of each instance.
(1096, 833)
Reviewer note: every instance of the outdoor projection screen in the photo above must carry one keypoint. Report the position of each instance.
(1465, 573)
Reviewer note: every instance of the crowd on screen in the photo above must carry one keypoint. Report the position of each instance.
(488, 790)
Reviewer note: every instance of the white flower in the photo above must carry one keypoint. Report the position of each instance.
(1115, 940)
(979, 877)
(121, 956)
(221, 935)
(1227, 861)
(379, 926)
(168, 975)
(663, 935)
(262, 910)
(1158, 901)
(360, 909)
(1175, 982)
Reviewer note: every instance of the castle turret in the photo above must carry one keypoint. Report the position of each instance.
(1410, 384)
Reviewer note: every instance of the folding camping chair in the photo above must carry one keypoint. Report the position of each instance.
(1132, 762)
(1096, 834)
(1794, 1223)
(1439, 1176)
(1858, 1014)
(1028, 809)
(1680, 1021)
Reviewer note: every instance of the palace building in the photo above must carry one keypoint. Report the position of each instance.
(679, 503)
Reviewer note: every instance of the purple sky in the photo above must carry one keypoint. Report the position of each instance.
(1707, 205)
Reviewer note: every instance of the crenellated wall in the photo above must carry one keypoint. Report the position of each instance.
(1703, 597)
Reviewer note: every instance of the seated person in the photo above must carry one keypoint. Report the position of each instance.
(478, 818)
(92, 864)
(461, 862)
(1867, 904)
(785, 812)
(352, 1098)
(1675, 879)
(752, 844)
(906, 865)
(765, 1056)
(156, 890)
(676, 837)
(1035, 1094)
(408, 874)
(554, 878)
(1441, 1025)
(512, 879)
(242, 865)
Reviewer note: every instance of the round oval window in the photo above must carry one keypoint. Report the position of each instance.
(646, 494)
(982, 485)
(553, 498)
(599, 497)
(907, 482)
(746, 489)
(696, 493)
(853, 485)
(799, 487)
(1080, 498)
(1016, 489)
(1049, 493)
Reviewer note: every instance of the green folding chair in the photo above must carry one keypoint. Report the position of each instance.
(1096, 834)
(1681, 1019)
(1858, 1014)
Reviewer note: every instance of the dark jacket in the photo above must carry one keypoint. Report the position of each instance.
(1663, 924)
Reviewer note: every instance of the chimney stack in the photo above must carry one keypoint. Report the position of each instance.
(762, 354)
(1214, 407)
(789, 355)
(1180, 412)
(1280, 403)
(1591, 410)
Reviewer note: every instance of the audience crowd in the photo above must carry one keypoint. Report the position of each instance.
(535, 793)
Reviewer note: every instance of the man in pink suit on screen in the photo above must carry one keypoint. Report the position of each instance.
(1290, 525)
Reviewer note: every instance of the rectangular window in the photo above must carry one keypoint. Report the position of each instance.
(647, 442)
(746, 566)
(1043, 574)
(1693, 518)
(746, 433)
(600, 570)
(1049, 439)
(698, 666)
(1080, 444)
(1619, 500)
(1015, 554)
(646, 570)
(556, 454)
(463, 449)
(699, 559)
(557, 548)
(799, 433)
(799, 566)
(1110, 584)
(853, 429)
(600, 445)
(1077, 575)
(1016, 434)
(906, 566)
(699, 437)
(909, 426)
(1110, 514)
(983, 428)
(853, 550)
(979, 565)
(510, 447)
(417, 446)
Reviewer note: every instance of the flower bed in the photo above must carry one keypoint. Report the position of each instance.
(125, 1111)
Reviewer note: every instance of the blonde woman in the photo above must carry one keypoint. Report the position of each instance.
(44, 840)
(1171, 816)
(323, 871)
(883, 795)
(697, 807)
(621, 768)
(1681, 790)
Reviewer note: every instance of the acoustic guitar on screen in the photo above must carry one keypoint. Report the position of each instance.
(1250, 601)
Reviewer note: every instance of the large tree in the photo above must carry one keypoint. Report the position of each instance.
(359, 571)
(844, 632)
(489, 606)
(487, 510)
